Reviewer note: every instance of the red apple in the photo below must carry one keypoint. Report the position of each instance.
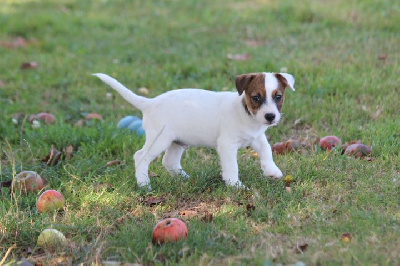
(27, 181)
(279, 148)
(47, 118)
(358, 150)
(169, 230)
(50, 200)
(292, 145)
(329, 142)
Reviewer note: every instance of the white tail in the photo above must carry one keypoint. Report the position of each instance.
(138, 101)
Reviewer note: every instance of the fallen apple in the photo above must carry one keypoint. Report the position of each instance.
(279, 148)
(358, 150)
(169, 230)
(27, 181)
(346, 237)
(51, 239)
(329, 142)
(292, 145)
(47, 118)
(50, 200)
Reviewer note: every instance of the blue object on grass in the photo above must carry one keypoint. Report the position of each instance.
(124, 122)
(140, 131)
(133, 123)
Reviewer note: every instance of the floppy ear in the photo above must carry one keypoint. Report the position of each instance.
(243, 81)
(288, 78)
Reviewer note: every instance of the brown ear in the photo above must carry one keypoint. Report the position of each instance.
(243, 81)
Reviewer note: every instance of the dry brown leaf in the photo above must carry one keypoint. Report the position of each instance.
(103, 186)
(151, 201)
(68, 152)
(53, 157)
(382, 56)
(188, 214)
(207, 218)
(301, 248)
(29, 65)
(114, 162)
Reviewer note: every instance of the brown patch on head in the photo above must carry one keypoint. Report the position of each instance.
(254, 87)
(278, 94)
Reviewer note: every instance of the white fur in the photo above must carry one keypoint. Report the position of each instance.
(192, 117)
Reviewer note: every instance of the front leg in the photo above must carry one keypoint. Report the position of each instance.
(264, 151)
(227, 153)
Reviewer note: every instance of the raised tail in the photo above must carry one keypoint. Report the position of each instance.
(137, 101)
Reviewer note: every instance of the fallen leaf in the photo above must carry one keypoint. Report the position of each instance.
(92, 116)
(188, 214)
(207, 218)
(68, 152)
(29, 65)
(103, 186)
(6, 183)
(382, 56)
(239, 57)
(114, 162)
(256, 43)
(151, 201)
(301, 248)
(250, 208)
(53, 157)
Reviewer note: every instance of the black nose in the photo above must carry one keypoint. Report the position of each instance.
(270, 117)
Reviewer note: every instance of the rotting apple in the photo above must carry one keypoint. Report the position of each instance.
(50, 200)
(329, 142)
(169, 230)
(27, 181)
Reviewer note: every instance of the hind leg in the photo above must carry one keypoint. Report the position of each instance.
(172, 159)
(153, 147)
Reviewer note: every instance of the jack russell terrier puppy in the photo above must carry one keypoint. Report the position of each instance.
(226, 121)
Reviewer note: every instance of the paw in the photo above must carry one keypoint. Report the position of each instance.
(237, 185)
(144, 185)
(272, 171)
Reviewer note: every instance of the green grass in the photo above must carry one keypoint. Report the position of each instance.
(343, 88)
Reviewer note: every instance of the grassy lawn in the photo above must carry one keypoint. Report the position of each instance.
(345, 56)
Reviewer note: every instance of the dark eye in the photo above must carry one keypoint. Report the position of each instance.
(256, 98)
(278, 97)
